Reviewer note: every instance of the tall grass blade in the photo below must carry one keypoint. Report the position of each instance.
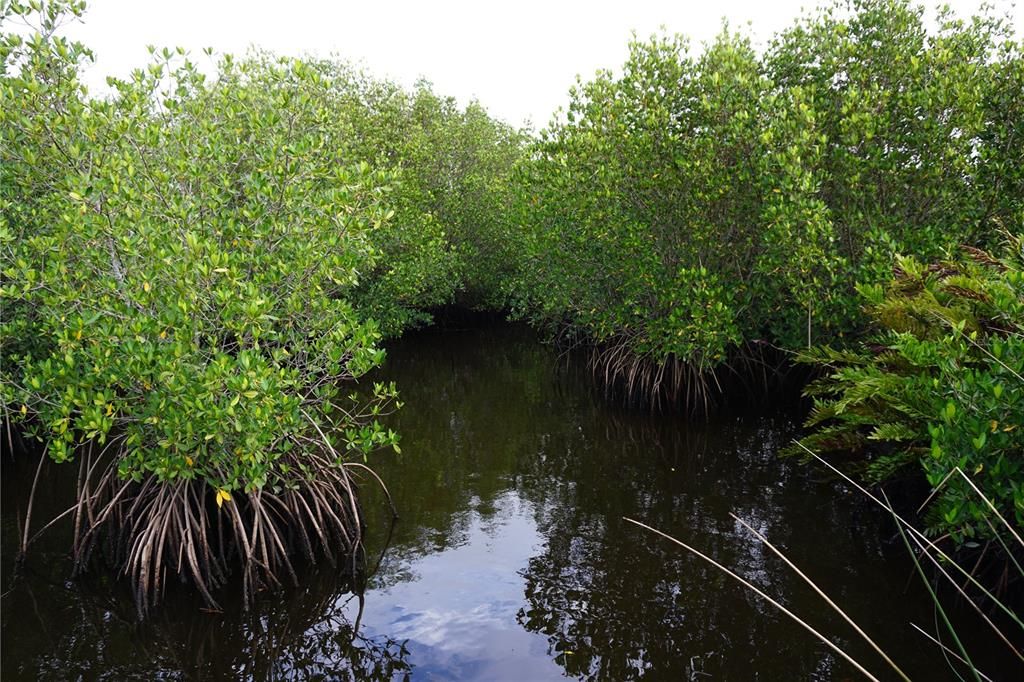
(935, 597)
(949, 651)
(918, 535)
(749, 585)
(821, 593)
(988, 522)
(992, 507)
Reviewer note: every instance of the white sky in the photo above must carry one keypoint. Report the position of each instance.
(518, 58)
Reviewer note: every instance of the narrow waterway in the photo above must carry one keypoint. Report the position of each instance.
(511, 559)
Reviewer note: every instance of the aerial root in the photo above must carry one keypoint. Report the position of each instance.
(154, 531)
(640, 378)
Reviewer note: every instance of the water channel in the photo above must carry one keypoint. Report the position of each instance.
(511, 559)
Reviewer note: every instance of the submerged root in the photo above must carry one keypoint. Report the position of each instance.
(642, 379)
(696, 386)
(153, 531)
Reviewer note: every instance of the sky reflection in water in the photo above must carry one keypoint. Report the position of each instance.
(511, 560)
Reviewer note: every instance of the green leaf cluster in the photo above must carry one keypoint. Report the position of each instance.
(938, 386)
(181, 262)
(694, 202)
(448, 240)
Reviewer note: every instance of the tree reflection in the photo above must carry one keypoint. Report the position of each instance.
(510, 463)
(311, 632)
(511, 430)
(89, 631)
(507, 416)
(615, 604)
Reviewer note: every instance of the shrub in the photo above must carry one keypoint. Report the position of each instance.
(631, 204)
(694, 204)
(178, 268)
(938, 386)
(449, 237)
(194, 269)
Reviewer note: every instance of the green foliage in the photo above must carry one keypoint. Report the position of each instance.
(194, 267)
(449, 237)
(938, 386)
(906, 122)
(462, 162)
(178, 263)
(625, 201)
(694, 203)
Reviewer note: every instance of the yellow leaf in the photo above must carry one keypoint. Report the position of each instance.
(222, 497)
(1010, 427)
(189, 461)
(995, 425)
(78, 335)
(163, 335)
(146, 286)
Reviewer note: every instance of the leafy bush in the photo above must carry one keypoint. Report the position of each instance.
(187, 281)
(195, 268)
(179, 263)
(449, 237)
(937, 387)
(627, 200)
(694, 204)
(460, 162)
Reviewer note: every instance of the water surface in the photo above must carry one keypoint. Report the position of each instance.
(511, 559)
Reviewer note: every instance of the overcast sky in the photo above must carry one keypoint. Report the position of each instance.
(518, 58)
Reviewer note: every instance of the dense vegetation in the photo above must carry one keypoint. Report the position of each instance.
(193, 270)
(938, 386)
(698, 208)
(196, 270)
(449, 239)
(697, 203)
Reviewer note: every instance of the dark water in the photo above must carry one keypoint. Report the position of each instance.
(511, 560)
